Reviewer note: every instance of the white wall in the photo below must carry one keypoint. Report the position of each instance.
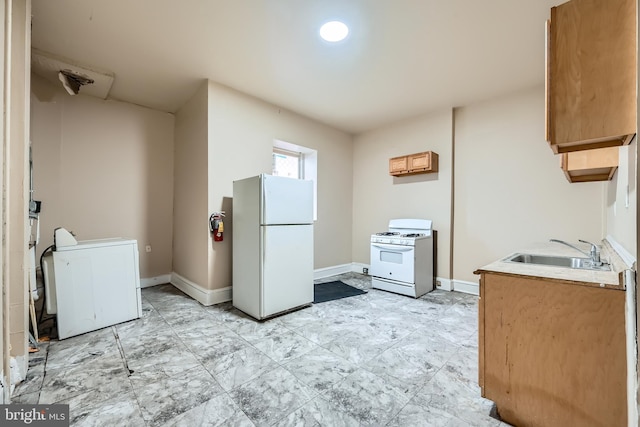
(241, 134)
(103, 169)
(509, 188)
(621, 200)
(15, 230)
(379, 197)
(4, 287)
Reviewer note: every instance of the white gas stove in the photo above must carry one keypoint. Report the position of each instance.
(402, 257)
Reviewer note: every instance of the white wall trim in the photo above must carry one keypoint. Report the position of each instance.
(443, 284)
(153, 281)
(624, 254)
(200, 294)
(356, 267)
(321, 273)
(632, 347)
(466, 287)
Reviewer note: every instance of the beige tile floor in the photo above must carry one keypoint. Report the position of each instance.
(375, 359)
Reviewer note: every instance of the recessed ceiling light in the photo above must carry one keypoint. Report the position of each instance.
(334, 31)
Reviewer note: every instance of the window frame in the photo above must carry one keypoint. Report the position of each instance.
(289, 153)
(308, 166)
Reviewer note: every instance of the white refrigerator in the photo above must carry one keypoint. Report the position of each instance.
(272, 245)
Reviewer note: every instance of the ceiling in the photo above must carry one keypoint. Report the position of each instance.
(402, 58)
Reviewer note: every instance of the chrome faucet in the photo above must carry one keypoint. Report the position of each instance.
(594, 254)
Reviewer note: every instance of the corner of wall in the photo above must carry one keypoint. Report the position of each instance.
(204, 296)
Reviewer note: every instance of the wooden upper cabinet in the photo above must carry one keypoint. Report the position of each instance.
(398, 165)
(590, 165)
(591, 75)
(426, 162)
(420, 162)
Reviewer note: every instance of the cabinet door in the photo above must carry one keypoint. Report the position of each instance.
(591, 74)
(398, 165)
(551, 353)
(423, 162)
(419, 161)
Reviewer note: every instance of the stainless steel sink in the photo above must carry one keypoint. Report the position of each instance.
(558, 261)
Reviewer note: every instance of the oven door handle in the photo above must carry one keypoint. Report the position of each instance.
(395, 248)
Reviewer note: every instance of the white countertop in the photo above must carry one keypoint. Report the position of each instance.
(613, 279)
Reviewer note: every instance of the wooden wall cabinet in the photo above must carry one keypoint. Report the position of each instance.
(591, 75)
(425, 162)
(590, 165)
(399, 165)
(552, 353)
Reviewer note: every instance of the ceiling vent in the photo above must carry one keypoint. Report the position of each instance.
(72, 82)
(75, 78)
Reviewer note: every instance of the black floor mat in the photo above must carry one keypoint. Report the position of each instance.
(329, 291)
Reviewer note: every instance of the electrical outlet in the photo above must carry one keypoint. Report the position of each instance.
(147, 248)
(438, 284)
(365, 271)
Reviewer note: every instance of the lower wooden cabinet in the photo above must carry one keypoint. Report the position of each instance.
(426, 162)
(552, 353)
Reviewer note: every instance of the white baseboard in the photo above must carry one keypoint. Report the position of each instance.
(321, 273)
(443, 284)
(200, 294)
(466, 287)
(217, 296)
(18, 371)
(153, 281)
(357, 267)
(354, 267)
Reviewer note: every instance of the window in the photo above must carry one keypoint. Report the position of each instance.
(296, 161)
(287, 163)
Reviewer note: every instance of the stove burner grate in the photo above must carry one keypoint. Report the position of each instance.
(387, 233)
(413, 235)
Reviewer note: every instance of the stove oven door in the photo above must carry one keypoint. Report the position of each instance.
(393, 262)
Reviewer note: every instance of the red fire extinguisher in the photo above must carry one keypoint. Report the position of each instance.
(217, 226)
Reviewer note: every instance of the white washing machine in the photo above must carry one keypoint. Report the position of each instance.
(92, 284)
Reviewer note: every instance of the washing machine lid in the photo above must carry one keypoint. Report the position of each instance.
(97, 243)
